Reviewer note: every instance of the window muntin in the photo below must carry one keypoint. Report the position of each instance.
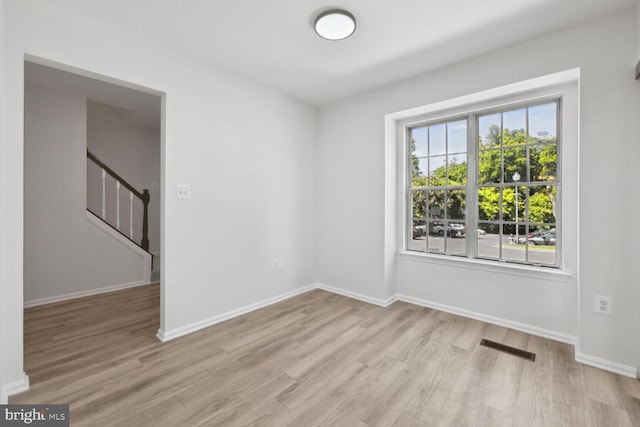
(511, 203)
(438, 192)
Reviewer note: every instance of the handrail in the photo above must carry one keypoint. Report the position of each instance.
(144, 197)
(115, 175)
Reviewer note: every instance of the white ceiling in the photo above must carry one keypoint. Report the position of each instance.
(273, 42)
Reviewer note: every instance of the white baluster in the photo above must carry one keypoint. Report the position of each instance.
(118, 205)
(104, 194)
(131, 215)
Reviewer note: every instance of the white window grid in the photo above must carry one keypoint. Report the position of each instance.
(472, 217)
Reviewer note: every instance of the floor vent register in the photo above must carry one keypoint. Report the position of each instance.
(508, 349)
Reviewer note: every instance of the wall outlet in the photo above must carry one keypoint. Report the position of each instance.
(277, 264)
(603, 305)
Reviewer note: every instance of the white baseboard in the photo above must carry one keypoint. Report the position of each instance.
(596, 362)
(165, 336)
(522, 327)
(607, 365)
(80, 294)
(15, 387)
(355, 295)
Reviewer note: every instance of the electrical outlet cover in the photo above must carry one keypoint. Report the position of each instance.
(603, 305)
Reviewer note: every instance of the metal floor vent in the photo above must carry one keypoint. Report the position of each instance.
(507, 349)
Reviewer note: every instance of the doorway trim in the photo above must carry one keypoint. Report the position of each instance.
(23, 384)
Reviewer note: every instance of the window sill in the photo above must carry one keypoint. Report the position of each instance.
(531, 272)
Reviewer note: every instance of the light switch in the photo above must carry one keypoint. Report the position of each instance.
(183, 191)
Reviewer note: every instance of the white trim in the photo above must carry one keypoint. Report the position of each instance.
(94, 219)
(534, 330)
(563, 84)
(81, 294)
(551, 274)
(15, 387)
(357, 296)
(534, 84)
(606, 365)
(146, 256)
(596, 362)
(522, 327)
(616, 368)
(165, 336)
(3, 285)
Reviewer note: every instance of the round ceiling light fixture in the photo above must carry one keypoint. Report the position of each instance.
(335, 24)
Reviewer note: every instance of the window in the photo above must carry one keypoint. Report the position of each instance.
(486, 184)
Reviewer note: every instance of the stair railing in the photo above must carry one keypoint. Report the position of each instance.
(144, 197)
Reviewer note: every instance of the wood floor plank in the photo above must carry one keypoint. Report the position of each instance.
(318, 359)
(351, 386)
(601, 414)
(406, 420)
(504, 381)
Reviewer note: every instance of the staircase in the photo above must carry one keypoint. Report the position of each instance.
(117, 203)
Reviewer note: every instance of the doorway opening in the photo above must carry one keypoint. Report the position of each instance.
(92, 198)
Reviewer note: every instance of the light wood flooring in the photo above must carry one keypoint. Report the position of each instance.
(316, 359)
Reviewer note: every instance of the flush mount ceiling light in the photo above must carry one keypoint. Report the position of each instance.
(335, 24)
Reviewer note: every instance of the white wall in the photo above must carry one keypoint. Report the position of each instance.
(247, 151)
(638, 26)
(351, 190)
(64, 253)
(133, 152)
(638, 59)
(3, 396)
(248, 154)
